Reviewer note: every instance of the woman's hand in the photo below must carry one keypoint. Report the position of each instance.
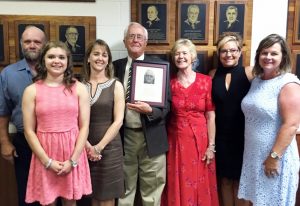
(94, 154)
(67, 167)
(209, 155)
(271, 167)
(56, 166)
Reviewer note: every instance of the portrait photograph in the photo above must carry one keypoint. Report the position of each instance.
(193, 21)
(74, 37)
(230, 18)
(153, 16)
(296, 34)
(20, 27)
(149, 82)
(200, 64)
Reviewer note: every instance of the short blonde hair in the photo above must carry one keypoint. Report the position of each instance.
(227, 37)
(184, 42)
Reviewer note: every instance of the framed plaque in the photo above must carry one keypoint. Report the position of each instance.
(158, 55)
(149, 82)
(76, 37)
(230, 17)
(193, 20)
(200, 64)
(296, 34)
(296, 62)
(4, 52)
(153, 16)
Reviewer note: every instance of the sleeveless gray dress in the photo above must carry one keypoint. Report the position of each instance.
(262, 123)
(106, 174)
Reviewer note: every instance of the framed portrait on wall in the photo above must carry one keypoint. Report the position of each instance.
(230, 17)
(153, 16)
(4, 48)
(200, 64)
(75, 36)
(296, 62)
(193, 18)
(19, 29)
(296, 34)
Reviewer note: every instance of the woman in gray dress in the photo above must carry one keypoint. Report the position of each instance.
(107, 111)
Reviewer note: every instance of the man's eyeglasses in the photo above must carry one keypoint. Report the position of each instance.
(228, 51)
(138, 37)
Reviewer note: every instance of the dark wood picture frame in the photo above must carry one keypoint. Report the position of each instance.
(296, 34)
(4, 48)
(193, 20)
(296, 62)
(150, 90)
(230, 16)
(82, 30)
(20, 26)
(200, 65)
(153, 15)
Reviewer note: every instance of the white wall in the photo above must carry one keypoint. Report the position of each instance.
(269, 16)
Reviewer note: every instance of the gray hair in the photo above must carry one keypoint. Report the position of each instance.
(135, 24)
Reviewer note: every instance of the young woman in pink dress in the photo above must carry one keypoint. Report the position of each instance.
(56, 115)
(191, 133)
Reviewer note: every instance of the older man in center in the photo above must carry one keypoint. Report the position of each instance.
(144, 133)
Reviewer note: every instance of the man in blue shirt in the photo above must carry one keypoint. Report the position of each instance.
(13, 80)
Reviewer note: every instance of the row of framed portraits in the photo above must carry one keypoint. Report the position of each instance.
(76, 33)
(296, 33)
(192, 19)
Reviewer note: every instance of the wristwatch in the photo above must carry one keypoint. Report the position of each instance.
(274, 155)
(73, 163)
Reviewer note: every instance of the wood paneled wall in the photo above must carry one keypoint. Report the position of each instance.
(51, 23)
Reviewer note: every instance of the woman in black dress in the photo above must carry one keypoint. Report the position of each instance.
(231, 83)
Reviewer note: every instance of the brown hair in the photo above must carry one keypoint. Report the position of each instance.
(267, 42)
(41, 69)
(109, 70)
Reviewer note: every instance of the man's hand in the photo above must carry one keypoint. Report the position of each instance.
(140, 107)
(8, 151)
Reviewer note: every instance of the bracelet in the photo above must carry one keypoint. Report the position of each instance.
(211, 147)
(97, 150)
(73, 163)
(48, 163)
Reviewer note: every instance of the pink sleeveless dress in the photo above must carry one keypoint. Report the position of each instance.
(57, 130)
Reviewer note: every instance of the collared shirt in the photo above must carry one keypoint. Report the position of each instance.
(13, 80)
(132, 118)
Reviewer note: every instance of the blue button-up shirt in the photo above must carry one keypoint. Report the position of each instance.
(13, 80)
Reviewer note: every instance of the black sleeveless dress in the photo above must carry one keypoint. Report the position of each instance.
(230, 121)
